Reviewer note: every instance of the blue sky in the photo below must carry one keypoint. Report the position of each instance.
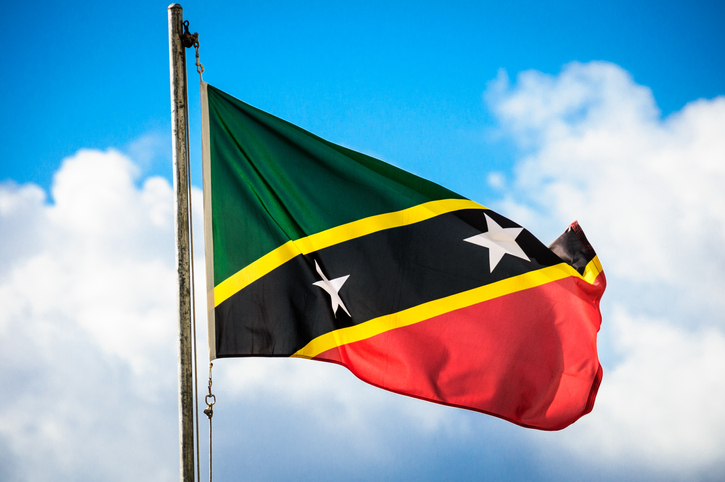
(377, 76)
(611, 114)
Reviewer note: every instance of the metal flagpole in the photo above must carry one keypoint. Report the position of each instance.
(177, 61)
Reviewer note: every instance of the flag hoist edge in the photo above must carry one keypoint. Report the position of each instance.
(317, 251)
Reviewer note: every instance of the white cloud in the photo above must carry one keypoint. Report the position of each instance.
(102, 260)
(87, 325)
(648, 192)
(332, 395)
(669, 384)
(150, 148)
(88, 340)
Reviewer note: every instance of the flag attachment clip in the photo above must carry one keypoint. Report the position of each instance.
(210, 399)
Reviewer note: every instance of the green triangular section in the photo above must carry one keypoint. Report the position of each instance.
(273, 182)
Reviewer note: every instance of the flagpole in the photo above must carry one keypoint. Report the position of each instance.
(177, 62)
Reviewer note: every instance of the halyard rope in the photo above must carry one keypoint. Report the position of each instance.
(193, 290)
(189, 40)
(199, 66)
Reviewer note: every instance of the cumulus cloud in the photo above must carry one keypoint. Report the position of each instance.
(88, 344)
(647, 189)
(648, 192)
(668, 390)
(87, 325)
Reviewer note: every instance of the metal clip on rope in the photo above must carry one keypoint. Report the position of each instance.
(210, 400)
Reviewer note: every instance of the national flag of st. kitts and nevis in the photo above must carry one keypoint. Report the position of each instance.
(317, 251)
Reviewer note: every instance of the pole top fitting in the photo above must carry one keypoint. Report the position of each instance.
(174, 6)
(189, 39)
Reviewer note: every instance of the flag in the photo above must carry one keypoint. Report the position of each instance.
(317, 251)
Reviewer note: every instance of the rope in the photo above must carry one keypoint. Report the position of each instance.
(189, 40)
(210, 399)
(193, 287)
(199, 66)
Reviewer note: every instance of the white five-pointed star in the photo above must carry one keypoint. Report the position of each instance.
(332, 287)
(499, 241)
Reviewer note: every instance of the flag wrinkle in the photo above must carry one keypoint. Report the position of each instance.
(450, 302)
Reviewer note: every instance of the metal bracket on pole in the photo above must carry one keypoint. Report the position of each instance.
(189, 39)
(179, 140)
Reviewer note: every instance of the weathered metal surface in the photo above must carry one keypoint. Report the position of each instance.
(177, 62)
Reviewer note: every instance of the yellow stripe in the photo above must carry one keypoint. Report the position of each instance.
(438, 307)
(594, 267)
(338, 234)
